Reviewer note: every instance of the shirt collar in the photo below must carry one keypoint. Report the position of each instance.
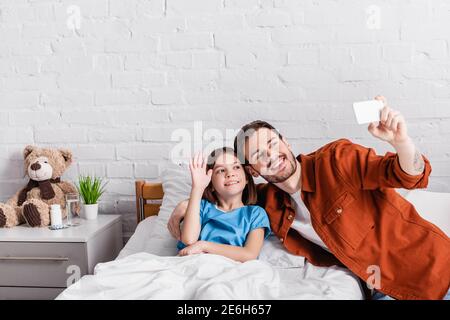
(307, 174)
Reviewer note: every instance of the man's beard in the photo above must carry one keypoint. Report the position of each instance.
(291, 164)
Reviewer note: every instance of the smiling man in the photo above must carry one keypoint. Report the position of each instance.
(338, 206)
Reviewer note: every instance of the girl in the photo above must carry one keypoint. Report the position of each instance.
(220, 216)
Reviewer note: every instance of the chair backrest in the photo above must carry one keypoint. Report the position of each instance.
(149, 197)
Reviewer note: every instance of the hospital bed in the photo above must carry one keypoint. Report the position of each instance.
(148, 268)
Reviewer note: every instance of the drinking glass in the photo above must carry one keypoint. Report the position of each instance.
(71, 200)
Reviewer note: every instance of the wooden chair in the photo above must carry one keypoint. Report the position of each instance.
(149, 197)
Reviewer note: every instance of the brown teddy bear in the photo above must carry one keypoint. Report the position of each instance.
(44, 167)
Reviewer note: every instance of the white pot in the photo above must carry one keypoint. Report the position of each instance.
(90, 211)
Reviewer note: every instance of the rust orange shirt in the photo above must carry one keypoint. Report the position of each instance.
(365, 223)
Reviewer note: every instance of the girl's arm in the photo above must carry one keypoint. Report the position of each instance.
(250, 251)
(200, 180)
(191, 225)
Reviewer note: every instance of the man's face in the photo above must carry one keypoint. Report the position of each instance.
(269, 156)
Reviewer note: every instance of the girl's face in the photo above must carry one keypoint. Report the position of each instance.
(228, 178)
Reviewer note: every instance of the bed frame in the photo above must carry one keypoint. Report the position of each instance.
(149, 197)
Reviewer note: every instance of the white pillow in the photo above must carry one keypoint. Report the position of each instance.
(176, 183)
(432, 206)
(151, 236)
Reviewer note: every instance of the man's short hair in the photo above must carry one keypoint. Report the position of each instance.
(245, 132)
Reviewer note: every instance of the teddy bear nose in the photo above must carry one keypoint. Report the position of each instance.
(35, 166)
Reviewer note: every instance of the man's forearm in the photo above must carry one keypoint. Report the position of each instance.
(411, 161)
(241, 254)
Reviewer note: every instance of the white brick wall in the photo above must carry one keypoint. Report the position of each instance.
(138, 69)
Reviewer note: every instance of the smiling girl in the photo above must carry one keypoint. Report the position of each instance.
(220, 216)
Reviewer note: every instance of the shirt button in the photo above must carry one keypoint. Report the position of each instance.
(281, 239)
(339, 210)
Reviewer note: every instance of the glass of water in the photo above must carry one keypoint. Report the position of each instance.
(71, 201)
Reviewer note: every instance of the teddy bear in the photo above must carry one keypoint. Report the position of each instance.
(31, 205)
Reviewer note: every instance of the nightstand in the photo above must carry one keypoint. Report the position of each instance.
(37, 263)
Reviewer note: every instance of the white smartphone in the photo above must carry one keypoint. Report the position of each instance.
(368, 111)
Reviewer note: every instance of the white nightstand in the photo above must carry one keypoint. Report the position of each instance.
(35, 263)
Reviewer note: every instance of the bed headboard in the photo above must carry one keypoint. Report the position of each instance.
(149, 197)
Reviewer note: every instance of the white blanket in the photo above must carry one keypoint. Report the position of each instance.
(209, 276)
(148, 268)
(202, 276)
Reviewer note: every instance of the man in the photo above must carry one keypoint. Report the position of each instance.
(338, 206)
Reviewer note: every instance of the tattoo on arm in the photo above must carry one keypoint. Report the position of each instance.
(419, 164)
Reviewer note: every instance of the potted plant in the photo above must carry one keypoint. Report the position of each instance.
(90, 189)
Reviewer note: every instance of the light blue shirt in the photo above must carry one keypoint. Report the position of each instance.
(231, 227)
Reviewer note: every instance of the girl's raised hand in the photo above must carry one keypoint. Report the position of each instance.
(200, 178)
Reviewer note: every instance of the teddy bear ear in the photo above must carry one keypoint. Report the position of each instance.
(28, 149)
(67, 154)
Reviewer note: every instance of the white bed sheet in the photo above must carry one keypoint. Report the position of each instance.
(147, 268)
(298, 278)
